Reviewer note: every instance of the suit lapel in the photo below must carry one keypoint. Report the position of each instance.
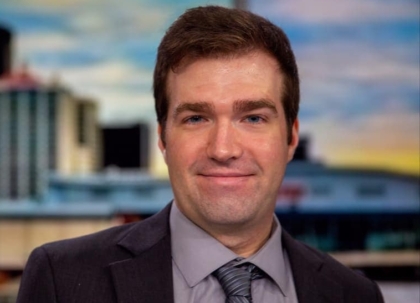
(147, 277)
(310, 283)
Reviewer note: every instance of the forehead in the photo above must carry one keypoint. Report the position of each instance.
(253, 75)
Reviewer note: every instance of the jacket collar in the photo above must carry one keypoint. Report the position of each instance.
(312, 286)
(150, 268)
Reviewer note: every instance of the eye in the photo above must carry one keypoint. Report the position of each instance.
(194, 119)
(254, 119)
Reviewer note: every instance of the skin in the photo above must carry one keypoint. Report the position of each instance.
(226, 146)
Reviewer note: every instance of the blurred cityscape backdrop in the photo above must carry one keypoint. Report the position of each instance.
(78, 148)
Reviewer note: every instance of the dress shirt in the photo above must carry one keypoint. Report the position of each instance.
(196, 254)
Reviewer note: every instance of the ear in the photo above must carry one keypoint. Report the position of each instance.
(161, 145)
(294, 140)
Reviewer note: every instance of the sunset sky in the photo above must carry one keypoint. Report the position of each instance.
(358, 61)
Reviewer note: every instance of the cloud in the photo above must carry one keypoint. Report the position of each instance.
(122, 90)
(130, 18)
(338, 12)
(352, 78)
(117, 73)
(107, 27)
(122, 107)
(356, 60)
(52, 5)
(32, 43)
(391, 130)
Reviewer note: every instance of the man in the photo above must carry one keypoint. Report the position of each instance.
(226, 89)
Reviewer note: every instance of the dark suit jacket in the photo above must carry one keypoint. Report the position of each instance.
(132, 264)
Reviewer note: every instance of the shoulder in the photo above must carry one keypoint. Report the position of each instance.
(73, 268)
(337, 271)
(57, 269)
(90, 252)
(111, 244)
(102, 241)
(329, 273)
(355, 284)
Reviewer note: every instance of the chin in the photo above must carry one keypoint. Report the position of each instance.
(229, 215)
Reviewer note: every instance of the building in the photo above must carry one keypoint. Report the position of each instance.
(350, 209)
(123, 192)
(43, 128)
(5, 51)
(126, 147)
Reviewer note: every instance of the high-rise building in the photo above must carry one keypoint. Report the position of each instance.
(43, 128)
(5, 51)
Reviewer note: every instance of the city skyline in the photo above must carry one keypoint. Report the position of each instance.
(358, 63)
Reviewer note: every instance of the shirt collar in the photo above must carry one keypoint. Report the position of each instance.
(194, 251)
(270, 258)
(191, 245)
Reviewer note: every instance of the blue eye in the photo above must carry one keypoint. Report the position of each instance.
(254, 119)
(194, 119)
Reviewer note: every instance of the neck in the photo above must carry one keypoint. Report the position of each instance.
(244, 242)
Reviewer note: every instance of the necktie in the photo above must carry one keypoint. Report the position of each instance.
(236, 281)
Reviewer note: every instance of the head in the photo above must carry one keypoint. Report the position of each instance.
(218, 32)
(227, 93)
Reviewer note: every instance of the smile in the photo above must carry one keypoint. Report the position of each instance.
(226, 178)
(225, 175)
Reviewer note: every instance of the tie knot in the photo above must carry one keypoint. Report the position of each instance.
(256, 272)
(236, 280)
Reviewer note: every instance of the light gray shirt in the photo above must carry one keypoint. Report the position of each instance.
(196, 254)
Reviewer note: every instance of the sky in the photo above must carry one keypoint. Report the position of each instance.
(358, 62)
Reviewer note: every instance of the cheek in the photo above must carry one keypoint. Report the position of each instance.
(181, 154)
(269, 149)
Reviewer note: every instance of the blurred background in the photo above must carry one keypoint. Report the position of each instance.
(78, 148)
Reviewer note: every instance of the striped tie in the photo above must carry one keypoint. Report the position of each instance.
(236, 281)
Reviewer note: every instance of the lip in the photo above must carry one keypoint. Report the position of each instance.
(225, 175)
(226, 179)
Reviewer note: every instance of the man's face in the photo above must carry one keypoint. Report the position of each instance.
(226, 139)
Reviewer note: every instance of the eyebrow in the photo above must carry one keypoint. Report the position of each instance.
(198, 107)
(241, 106)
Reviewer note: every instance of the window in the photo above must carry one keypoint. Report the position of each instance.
(82, 123)
(371, 190)
(321, 190)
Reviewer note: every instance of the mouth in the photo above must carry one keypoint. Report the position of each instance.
(226, 178)
(225, 175)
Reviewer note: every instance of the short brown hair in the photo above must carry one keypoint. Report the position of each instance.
(213, 32)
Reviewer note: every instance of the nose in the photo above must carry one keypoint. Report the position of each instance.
(224, 143)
